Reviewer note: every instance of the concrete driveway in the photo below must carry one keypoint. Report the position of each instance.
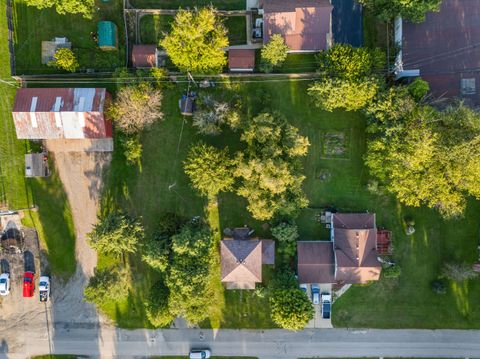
(318, 321)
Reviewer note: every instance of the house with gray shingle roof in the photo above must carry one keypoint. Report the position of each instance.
(242, 259)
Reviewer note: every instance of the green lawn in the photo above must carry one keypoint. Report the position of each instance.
(32, 26)
(153, 26)
(237, 29)
(53, 219)
(298, 63)
(175, 4)
(335, 180)
(54, 223)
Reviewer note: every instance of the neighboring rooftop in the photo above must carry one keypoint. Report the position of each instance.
(242, 258)
(351, 256)
(241, 59)
(304, 24)
(144, 56)
(316, 263)
(54, 113)
(444, 48)
(355, 239)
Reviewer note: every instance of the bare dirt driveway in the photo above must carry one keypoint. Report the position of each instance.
(80, 164)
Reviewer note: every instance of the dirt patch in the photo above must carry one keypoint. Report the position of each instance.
(81, 174)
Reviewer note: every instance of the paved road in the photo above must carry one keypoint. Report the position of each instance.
(91, 340)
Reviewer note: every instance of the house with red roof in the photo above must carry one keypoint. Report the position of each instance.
(305, 25)
(350, 257)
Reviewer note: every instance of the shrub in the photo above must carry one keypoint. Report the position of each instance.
(392, 271)
(64, 59)
(459, 272)
(136, 108)
(107, 284)
(439, 286)
(274, 53)
(116, 234)
(418, 89)
(291, 308)
(132, 149)
(156, 305)
(287, 235)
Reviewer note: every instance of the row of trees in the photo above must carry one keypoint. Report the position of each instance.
(269, 169)
(180, 251)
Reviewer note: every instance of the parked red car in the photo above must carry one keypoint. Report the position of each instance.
(28, 284)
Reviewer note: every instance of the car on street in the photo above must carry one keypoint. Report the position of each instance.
(28, 284)
(4, 284)
(315, 294)
(44, 288)
(200, 354)
(304, 288)
(326, 305)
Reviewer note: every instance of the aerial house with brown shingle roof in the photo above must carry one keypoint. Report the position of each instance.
(349, 258)
(305, 25)
(242, 259)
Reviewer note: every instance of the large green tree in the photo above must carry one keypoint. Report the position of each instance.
(197, 41)
(83, 7)
(291, 308)
(350, 95)
(413, 10)
(426, 157)
(348, 62)
(188, 275)
(270, 169)
(116, 234)
(209, 169)
(274, 53)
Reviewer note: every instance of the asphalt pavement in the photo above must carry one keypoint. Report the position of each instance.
(110, 342)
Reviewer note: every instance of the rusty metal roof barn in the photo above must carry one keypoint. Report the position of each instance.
(61, 113)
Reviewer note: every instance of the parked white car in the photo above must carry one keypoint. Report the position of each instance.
(315, 294)
(44, 288)
(200, 354)
(4, 284)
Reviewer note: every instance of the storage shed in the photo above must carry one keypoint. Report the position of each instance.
(107, 35)
(36, 165)
(144, 56)
(242, 60)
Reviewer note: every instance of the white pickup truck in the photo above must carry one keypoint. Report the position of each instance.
(44, 288)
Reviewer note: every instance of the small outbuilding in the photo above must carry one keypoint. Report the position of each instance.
(49, 48)
(36, 165)
(187, 104)
(107, 35)
(241, 60)
(144, 56)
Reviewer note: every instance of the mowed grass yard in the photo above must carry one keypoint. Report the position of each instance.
(53, 219)
(333, 178)
(32, 26)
